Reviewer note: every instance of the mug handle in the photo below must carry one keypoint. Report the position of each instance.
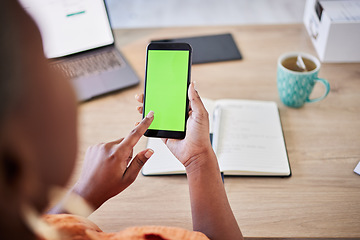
(327, 90)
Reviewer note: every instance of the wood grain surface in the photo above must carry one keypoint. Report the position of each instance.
(321, 198)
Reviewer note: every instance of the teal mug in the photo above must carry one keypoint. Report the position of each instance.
(296, 84)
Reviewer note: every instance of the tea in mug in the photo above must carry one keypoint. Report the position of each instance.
(290, 63)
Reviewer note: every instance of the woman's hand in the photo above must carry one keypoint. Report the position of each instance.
(106, 171)
(211, 211)
(197, 139)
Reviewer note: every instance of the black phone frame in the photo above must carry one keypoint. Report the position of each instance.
(169, 46)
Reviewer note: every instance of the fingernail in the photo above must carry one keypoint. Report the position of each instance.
(149, 153)
(137, 96)
(137, 123)
(150, 114)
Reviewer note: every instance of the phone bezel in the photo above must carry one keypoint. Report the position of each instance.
(169, 46)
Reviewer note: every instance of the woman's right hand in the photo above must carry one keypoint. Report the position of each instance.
(197, 140)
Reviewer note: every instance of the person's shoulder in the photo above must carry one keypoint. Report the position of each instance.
(76, 227)
(149, 232)
(71, 226)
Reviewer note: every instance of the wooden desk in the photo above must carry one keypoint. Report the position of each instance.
(321, 199)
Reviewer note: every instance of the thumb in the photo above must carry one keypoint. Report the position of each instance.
(136, 164)
(195, 100)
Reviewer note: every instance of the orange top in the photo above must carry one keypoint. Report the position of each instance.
(80, 228)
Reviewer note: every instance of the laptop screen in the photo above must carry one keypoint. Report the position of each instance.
(70, 26)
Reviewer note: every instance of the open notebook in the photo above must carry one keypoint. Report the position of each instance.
(247, 139)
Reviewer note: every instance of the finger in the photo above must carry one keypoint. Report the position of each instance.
(165, 140)
(117, 141)
(137, 163)
(139, 97)
(140, 109)
(130, 157)
(112, 143)
(195, 100)
(190, 108)
(138, 131)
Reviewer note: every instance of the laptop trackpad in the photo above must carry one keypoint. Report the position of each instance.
(88, 87)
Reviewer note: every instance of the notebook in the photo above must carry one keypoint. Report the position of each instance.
(247, 139)
(78, 40)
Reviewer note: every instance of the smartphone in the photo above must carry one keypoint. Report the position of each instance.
(167, 79)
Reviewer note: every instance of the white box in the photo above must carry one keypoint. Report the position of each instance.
(334, 29)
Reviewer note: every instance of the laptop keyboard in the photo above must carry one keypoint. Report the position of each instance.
(90, 64)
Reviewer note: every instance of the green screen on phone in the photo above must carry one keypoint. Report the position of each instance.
(166, 88)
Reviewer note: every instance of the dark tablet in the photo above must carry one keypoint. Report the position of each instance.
(210, 48)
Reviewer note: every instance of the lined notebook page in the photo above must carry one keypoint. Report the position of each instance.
(248, 138)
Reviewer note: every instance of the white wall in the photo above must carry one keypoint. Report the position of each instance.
(163, 13)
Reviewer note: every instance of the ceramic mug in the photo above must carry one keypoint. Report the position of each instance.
(295, 86)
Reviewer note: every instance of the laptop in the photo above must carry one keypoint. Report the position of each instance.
(78, 40)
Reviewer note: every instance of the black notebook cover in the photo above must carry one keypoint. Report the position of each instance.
(210, 48)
